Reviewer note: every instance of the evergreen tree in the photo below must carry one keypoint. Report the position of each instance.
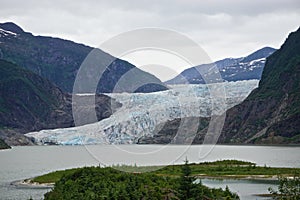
(186, 184)
(288, 189)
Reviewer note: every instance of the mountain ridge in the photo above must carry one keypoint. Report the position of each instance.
(10, 26)
(59, 60)
(29, 102)
(231, 69)
(269, 115)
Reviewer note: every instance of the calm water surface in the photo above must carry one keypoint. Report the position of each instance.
(25, 162)
(245, 188)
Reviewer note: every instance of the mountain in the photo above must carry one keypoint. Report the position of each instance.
(29, 102)
(231, 69)
(59, 60)
(271, 113)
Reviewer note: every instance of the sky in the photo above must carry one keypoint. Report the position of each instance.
(229, 28)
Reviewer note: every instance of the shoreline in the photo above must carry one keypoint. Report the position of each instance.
(218, 144)
(241, 177)
(28, 183)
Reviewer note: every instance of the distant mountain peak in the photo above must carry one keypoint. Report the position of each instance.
(271, 113)
(259, 54)
(231, 69)
(10, 26)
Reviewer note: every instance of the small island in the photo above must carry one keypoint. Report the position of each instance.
(171, 182)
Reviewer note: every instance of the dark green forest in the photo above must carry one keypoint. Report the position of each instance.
(3, 145)
(107, 183)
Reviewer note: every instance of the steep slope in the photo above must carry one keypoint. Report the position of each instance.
(59, 60)
(231, 69)
(271, 113)
(29, 102)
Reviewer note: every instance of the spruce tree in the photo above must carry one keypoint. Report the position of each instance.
(186, 184)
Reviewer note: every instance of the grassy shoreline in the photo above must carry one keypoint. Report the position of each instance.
(225, 169)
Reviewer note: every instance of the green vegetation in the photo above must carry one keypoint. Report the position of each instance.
(217, 169)
(271, 113)
(171, 182)
(23, 94)
(229, 168)
(281, 74)
(3, 145)
(288, 189)
(12, 75)
(53, 177)
(58, 60)
(107, 183)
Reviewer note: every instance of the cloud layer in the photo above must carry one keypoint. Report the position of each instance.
(223, 28)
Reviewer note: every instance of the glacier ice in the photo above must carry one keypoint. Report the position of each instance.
(141, 113)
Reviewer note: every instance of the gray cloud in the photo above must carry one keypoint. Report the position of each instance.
(222, 28)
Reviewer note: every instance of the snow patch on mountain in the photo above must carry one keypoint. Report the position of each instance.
(230, 69)
(141, 113)
(6, 33)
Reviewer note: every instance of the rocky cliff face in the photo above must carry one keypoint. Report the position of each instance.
(59, 60)
(271, 113)
(29, 102)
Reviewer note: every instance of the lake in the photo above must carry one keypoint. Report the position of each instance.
(29, 161)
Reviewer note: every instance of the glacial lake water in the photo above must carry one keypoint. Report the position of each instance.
(29, 161)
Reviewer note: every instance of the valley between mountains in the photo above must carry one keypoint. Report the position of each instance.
(259, 95)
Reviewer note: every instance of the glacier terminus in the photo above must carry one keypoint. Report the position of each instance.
(141, 113)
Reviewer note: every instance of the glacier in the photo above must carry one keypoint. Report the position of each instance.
(141, 113)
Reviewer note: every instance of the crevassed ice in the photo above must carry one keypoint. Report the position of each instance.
(141, 113)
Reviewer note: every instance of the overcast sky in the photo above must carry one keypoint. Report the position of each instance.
(229, 28)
